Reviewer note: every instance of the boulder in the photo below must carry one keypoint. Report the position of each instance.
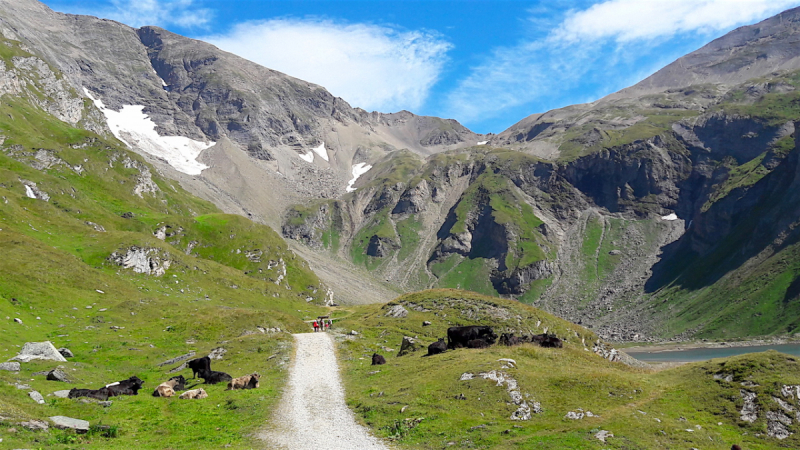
(408, 345)
(426, 323)
(65, 352)
(397, 311)
(37, 397)
(105, 404)
(10, 366)
(38, 350)
(57, 375)
(68, 423)
(62, 394)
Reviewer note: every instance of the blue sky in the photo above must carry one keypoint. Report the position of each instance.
(487, 64)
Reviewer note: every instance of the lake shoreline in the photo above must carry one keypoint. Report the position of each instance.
(691, 345)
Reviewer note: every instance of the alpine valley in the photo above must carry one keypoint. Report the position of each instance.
(160, 197)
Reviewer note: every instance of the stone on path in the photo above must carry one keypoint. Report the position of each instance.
(38, 350)
(10, 366)
(64, 423)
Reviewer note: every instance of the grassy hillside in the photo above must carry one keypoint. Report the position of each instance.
(227, 279)
(421, 403)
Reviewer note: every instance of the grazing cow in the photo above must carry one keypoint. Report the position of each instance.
(101, 394)
(194, 394)
(547, 340)
(509, 339)
(245, 382)
(437, 347)
(214, 377)
(168, 388)
(477, 343)
(377, 359)
(458, 337)
(198, 365)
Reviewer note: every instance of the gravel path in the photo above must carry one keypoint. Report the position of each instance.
(312, 412)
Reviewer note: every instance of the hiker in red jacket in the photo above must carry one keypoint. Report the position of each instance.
(316, 326)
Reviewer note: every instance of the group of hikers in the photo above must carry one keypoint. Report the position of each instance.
(321, 325)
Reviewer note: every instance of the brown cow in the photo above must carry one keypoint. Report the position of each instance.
(194, 394)
(245, 382)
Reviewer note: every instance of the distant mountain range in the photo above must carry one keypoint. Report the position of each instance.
(666, 209)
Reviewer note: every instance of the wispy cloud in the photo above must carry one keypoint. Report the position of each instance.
(629, 20)
(164, 13)
(594, 51)
(372, 67)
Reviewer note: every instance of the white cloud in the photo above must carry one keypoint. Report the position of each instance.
(138, 13)
(606, 47)
(628, 20)
(372, 67)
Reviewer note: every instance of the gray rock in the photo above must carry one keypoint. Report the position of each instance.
(408, 345)
(396, 311)
(426, 323)
(35, 425)
(65, 352)
(602, 435)
(749, 412)
(68, 423)
(37, 397)
(38, 350)
(57, 375)
(177, 359)
(62, 394)
(10, 366)
(105, 404)
(217, 353)
(17, 320)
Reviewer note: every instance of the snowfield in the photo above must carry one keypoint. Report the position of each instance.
(672, 216)
(358, 170)
(133, 127)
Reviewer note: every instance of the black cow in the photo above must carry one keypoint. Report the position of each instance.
(509, 339)
(198, 365)
(437, 347)
(130, 386)
(214, 377)
(458, 337)
(477, 343)
(377, 359)
(547, 340)
(101, 394)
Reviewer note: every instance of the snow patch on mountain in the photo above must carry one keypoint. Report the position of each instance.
(308, 157)
(133, 127)
(321, 151)
(358, 170)
(672, 216)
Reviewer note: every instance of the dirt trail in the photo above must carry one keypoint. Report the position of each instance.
(312, 411)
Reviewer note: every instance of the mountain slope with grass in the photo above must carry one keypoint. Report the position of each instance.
(105, 256)
(471, 398)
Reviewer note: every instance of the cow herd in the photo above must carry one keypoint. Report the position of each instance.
(201, 367)
(480, 336)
